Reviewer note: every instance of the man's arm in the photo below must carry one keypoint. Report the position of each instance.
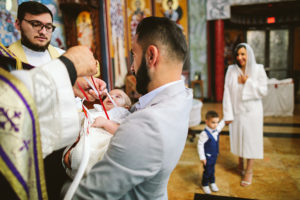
(134, 155)
(54, 98)
(82, 58)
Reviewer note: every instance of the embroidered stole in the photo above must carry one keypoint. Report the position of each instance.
(18, 50)
(21, 160)
(6, 52)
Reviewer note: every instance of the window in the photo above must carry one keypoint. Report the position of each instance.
(271, 49)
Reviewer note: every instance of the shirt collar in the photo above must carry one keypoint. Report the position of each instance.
(209, 129)
(32, 52)
(145, 99)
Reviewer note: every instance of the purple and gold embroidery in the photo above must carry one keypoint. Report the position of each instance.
(12, 120)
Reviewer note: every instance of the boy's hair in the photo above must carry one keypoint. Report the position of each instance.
(32, 7)
(211, 114)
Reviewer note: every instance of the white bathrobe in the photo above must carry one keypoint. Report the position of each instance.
(242, 104)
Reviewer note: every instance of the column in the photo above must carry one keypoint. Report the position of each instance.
(219, 56)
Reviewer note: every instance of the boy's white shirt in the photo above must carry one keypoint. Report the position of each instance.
(203, 137)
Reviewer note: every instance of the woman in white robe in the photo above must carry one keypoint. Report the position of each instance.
(245, 85)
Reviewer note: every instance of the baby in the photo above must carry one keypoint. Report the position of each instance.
(99, 134)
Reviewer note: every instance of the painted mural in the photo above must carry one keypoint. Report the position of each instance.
(176, 10)
(85, 35)
(8, 33)
(136, 11)
(117, 40)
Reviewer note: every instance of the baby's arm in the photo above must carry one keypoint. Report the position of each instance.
(108, 125)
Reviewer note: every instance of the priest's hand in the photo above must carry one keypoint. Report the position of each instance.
(92, 96)
(83, 60)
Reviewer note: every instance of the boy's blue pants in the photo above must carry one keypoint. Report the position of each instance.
(209, 170)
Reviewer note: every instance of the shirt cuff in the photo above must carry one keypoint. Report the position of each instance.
(70, 68)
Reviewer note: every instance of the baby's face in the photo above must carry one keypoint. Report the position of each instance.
(118, 97)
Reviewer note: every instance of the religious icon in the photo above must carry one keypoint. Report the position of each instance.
(172, 10)
(137, 10)
(84, 26)
(138, 7)
(175, 10)
(118, 43)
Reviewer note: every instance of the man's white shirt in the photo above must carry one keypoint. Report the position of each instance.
(144, 100)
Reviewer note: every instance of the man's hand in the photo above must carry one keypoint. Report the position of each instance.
(83, 60)
(204, 162)
(67, 160)
(100, 85)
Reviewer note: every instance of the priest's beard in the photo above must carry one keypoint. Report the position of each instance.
(26, 42)
(142, 78)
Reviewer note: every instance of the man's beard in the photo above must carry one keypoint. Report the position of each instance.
(26, 42)
(142, 78)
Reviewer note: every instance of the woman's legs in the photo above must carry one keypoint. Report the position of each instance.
(241, 166)
(250, 163)
(247, 179)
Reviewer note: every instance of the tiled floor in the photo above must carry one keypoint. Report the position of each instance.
(275, 177)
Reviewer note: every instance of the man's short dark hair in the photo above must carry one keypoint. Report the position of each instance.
(32, 7)
(211, 114)
(161, 30)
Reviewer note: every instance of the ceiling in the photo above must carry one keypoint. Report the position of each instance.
(287, 12)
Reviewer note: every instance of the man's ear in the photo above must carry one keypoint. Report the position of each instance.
(18, 24)
(152, 55)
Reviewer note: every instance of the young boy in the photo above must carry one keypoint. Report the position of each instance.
(100, 133)
(208, 149)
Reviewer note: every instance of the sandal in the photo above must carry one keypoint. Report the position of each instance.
(245, 183)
